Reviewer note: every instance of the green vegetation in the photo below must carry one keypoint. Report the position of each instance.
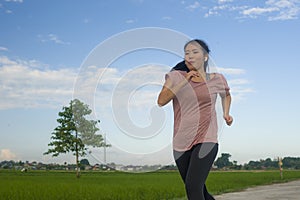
(223, 182)
(223, 162)
(117, 185)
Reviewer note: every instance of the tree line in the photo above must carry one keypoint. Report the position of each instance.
(223, 162)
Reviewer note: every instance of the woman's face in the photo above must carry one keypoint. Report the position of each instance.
(194, 56)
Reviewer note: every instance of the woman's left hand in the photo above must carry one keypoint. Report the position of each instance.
(228, 119)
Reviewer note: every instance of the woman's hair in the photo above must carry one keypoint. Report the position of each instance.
(201, 43)
(182, 66)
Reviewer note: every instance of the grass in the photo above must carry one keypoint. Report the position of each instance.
(92, 185)
(223, 182)
(48, 185)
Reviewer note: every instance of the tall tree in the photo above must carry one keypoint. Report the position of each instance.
(223, 161)
(75, 132)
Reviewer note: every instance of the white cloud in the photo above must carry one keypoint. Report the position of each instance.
(269, 9)
(275, 10)
(238, 81)
(6, 61)
(3, 49)
(224, 1)
(107, 85)
(288, 9)
(167, 18)
(16, 1)
(234, 71)
(52, 38)
(193, 6)
(210, 13)
(3, 6)
(280, 3)
(239, 87)
(130, 21)
(7, 154)
(258, 11)
(55, 39)
(28, 84)
(24, 85)
(239, 93)
(217, 9)
(86, 21)
(137, 1)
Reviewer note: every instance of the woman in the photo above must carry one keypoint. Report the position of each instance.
(193, 92)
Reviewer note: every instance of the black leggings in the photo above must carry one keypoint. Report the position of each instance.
(194, 166)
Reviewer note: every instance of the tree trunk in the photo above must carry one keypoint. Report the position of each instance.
(77, 160)
(77, 165)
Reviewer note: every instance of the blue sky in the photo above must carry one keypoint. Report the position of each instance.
(45, 47)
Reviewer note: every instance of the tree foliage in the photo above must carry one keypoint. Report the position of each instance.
(75, 132)
(84, 162)
(223, 161)
(291, 162)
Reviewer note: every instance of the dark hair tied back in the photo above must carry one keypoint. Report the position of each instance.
(181, 67)
(201, 43)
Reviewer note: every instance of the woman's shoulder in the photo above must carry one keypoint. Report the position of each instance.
(176, 74)
(216, 75)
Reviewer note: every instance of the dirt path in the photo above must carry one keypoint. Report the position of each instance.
(282, 191)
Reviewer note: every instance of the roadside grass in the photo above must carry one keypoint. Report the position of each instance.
(161, 185)
(231, 181)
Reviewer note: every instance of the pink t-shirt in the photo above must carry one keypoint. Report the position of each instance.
(195, 118)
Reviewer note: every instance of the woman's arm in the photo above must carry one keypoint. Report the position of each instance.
(169, 91)
(226, 102)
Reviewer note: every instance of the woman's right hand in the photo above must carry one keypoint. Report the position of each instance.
(191, 74)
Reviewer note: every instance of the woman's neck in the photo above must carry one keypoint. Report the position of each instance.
(201, 72)
(203, 76)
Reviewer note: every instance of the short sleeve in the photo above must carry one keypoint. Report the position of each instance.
(225, 85)
(174, 76)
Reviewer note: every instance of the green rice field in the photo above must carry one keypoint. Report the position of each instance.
(58, 185)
